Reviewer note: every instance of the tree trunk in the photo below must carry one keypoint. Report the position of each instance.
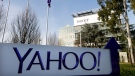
(134, 53)
(128, 32)
(129, 56)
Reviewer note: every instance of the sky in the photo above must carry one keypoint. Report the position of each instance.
(60, 13)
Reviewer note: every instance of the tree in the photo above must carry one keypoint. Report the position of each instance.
(133, 38)
(133, 34)
(132, 5)
(111, 13)
(52, 39)
(92, 36)
(25, 28)
(61, 42)
(2, 15)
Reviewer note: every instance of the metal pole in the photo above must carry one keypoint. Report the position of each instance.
(47, 23)
(6, 21)
(80, 38)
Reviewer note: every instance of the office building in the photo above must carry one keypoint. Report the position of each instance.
(67, 34)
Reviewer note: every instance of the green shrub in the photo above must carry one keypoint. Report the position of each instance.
(127, 70)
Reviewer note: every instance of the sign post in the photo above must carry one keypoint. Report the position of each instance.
(114, 46)
(40, 60)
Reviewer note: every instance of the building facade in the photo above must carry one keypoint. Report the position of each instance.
(68, 34)
(123, 57)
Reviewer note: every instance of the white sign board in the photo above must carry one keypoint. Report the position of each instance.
(86, 19)
(41, 60)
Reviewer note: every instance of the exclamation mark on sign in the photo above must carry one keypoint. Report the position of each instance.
(99, 54)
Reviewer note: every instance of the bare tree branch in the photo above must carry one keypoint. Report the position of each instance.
(52, 39)
(2, 15)
(25, 28)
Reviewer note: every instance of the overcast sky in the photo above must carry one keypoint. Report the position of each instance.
(59, 14)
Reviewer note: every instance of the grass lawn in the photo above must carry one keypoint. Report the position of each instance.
(126, 70)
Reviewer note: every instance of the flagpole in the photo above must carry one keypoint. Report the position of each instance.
(47, 23)
(6, 21)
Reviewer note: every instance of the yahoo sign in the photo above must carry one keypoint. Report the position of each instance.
(61, 60)
(40, 60)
